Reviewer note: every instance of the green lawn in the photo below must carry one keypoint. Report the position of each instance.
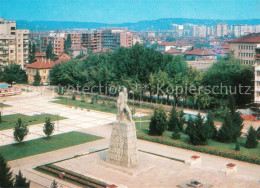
(218, 145)
(108, 106)
(9, 121)
(4, 105)
(42, 145)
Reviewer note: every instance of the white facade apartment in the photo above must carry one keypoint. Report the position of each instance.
(14, 44)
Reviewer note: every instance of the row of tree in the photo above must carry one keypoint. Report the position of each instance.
(6, 176)
(201, 129)
(147, 68)
(21, 129)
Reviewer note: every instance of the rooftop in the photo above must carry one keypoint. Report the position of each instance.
(42, 64)
(250, 38)
(200, 52)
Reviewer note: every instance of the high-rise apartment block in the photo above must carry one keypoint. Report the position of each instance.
(221, 30)
(14, 43)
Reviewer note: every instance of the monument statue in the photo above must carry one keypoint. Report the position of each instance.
(122, 107)
(122, 147)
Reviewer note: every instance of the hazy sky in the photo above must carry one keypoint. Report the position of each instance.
(118, 11)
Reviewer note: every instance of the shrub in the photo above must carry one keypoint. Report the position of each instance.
(251, 141)
(158, 122)
(20, 131)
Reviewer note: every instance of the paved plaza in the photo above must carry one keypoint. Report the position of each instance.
(160, 172)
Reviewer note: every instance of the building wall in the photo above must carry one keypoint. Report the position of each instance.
(44, 73)
(126, 39)
(14, 44)
(58, 45)
(243, 51)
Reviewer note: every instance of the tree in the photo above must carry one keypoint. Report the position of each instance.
(181, 120)
(73, 96)
(173, 120)
(37, 79)
(20, 131)
(258, 133)
(232, 125)
(82, 98)
(210, 126)
(48, 128)
(251, 139)
(176, 133)
(0, 117)
(49, 51)
(14, 73)
(21, 181)
(226, 130)
(6, 179)
(237, 146)
(197, 132)
(158, 122)
(190, 125)
(32, 50)
(67, 44)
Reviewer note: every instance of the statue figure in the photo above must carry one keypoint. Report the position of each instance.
(122, 107)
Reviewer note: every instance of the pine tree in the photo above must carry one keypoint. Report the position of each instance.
(258, 133)
(48, 128)
(232, 126)
(20, 131)
(49, 52)
(158, 122)
(190, 125)
(210, 126)
(225, 132)
(6, 179)
(173, 120)
(181, 120)
(237, 146)
(251, 141)
(67, 44)
(37, 79)
(21, 181)
(176, 133)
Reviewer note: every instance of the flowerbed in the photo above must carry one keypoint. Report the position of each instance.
(199, 148)
(71, 176)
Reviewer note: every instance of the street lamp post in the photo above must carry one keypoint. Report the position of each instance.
(58, 125)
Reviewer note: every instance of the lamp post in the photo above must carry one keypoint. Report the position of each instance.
(2, 100)
(58, 121)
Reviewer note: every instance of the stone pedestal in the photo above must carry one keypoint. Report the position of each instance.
(122, 148)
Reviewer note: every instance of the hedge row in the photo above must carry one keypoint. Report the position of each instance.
(199, 148)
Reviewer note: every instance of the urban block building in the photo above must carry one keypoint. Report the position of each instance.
(247, 50)
(14, 44)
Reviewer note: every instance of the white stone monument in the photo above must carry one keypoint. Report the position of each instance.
(122, 148)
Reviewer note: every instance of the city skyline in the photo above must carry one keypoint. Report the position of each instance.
(115, 11)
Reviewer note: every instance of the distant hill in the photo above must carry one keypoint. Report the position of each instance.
(154, 25)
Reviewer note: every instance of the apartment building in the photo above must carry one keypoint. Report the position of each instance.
(91, 39)
(247, 49)
(14, 44)
(221, 30)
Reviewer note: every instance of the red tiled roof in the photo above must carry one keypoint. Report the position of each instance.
(38, 54)
(200, 52)
(250, 38)
(164, 43)
(173, 51)
(42, 64)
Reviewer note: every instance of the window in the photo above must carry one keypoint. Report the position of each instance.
(12, 28)
(12, 33)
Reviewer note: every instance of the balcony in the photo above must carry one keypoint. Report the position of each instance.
(4, 44)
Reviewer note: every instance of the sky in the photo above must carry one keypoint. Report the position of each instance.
(120, 11)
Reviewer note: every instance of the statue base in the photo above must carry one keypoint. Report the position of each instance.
(122, 148)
